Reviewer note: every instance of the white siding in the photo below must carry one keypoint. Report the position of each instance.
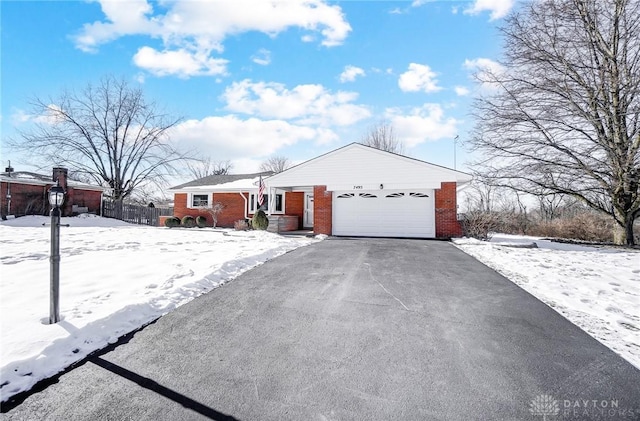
(364, 168)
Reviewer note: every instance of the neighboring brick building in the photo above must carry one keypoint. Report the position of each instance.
(26, 193)
(352, 191)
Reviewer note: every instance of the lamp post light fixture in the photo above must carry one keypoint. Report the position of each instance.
(56, 199)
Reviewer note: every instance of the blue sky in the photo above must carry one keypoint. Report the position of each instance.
(254, 79)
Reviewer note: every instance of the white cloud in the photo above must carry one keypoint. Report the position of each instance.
(122, 18)
(422, 124)
(350, 73)
(234, 138)
(461, 90)
(49, 117)
(308, 38)
(262, 57)
(419, 77)
(245, 165)
(498, 8)
(308, 104)
(20, 116)
(483, 64)
(485, 70)
(198, 28)
(181, 63)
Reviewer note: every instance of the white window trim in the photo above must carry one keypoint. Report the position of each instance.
(190, 204)
(253, 200)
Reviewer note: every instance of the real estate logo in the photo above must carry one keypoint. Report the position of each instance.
(544, 405)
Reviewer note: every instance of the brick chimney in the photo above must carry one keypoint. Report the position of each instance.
(60, 174)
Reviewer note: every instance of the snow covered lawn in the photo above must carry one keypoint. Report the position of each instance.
(596, 288)
(114, 278)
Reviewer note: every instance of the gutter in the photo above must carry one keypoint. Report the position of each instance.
(246, 205)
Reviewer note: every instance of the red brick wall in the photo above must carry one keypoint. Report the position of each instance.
(180, 205)
(85, 198)
(25, 199)
(322, 210)
(234, 206)
(294, 205)
(233, 210)
(34, 200)
(447, 224)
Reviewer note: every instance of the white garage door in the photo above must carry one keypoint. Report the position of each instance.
(384, 213)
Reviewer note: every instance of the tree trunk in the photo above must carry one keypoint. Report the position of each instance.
(623, 232)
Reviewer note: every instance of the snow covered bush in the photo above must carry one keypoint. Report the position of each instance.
(172, 221)
(260, 220)
(201, 221)
(479, 224)
(241, 225)
(188, 221)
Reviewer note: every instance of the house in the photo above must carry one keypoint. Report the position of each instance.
(26, 193)
(355, 190)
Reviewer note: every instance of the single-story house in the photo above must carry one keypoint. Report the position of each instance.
(26, 193)
(355, 190)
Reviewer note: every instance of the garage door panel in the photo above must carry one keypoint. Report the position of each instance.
(395, 213)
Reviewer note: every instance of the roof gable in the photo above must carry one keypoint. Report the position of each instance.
(366, 167)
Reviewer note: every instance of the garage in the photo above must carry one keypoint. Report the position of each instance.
(384, 213)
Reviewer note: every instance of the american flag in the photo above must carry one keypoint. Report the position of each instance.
(261, 192)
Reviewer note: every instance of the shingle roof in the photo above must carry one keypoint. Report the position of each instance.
(213, 180)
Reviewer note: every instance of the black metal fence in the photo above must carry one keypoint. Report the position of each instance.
(135, 214)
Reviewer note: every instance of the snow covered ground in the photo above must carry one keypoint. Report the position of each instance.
(114, 278)
(596, 288)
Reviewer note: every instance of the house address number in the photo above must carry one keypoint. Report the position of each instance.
(357, 187)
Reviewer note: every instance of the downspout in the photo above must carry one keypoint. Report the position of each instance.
(246, 203)
(9, 196)
(45, 200)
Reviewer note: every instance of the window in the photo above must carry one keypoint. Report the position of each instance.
(418, 195)
(392, 195)
(368, 195)
(200, 200)
(253, 203)
(345, 195)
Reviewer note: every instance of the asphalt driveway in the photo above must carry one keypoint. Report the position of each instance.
(352, 329)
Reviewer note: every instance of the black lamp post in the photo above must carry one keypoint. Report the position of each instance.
(56, 199)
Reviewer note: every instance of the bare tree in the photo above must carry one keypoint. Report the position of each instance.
(214, 211)
(563, 111)
(382, 136)
(276, 164)
(108, 132)
(479, 195)
(550, 206)
(200, 168)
